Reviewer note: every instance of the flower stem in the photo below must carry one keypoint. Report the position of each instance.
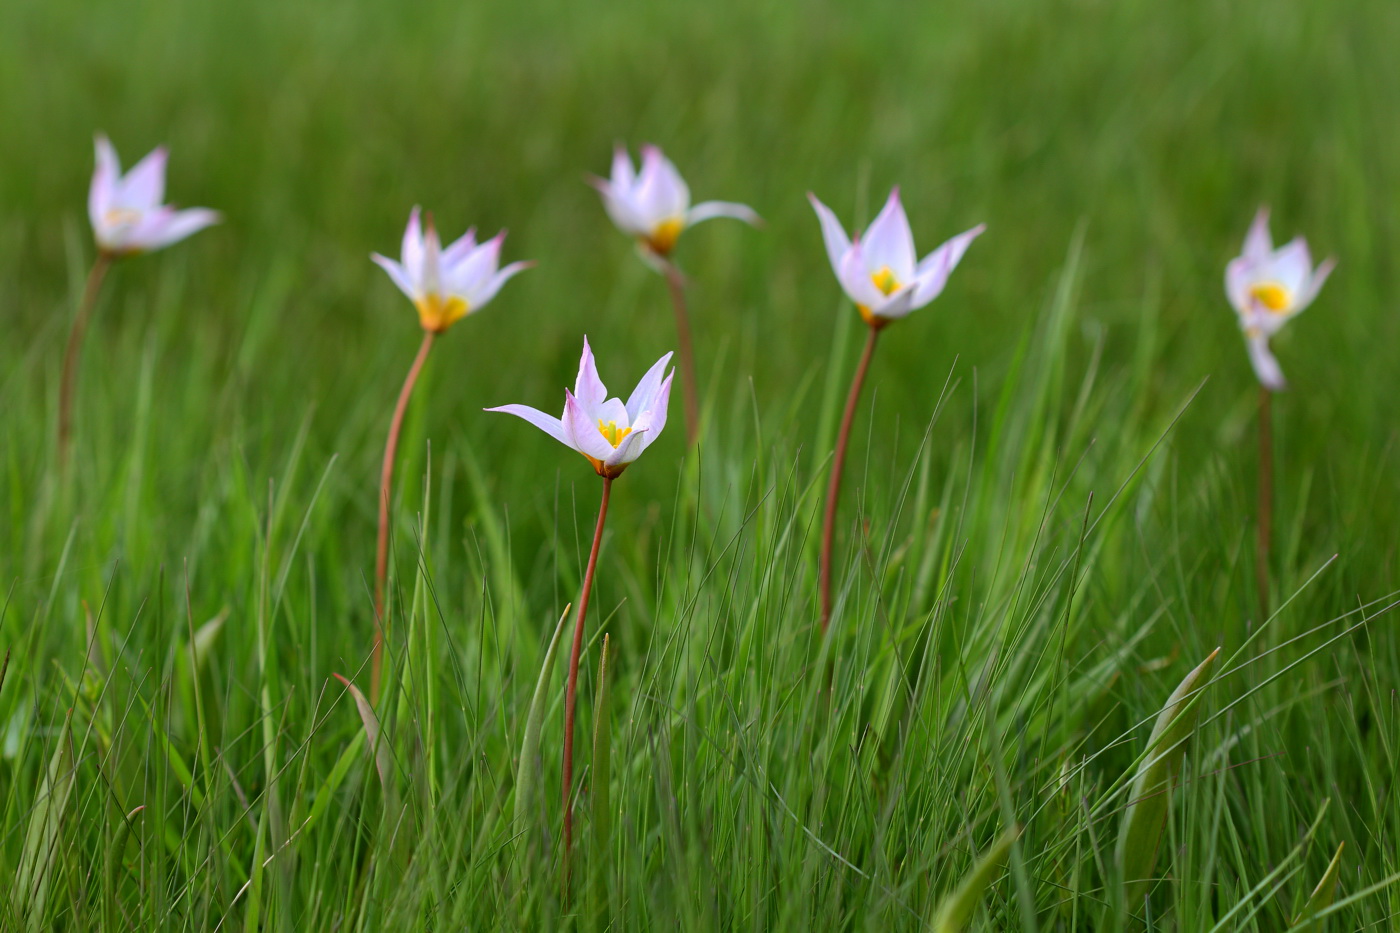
(676, 281)
(1266, 500)
(571, 691)
(100, 265)
(386, 480)
(833, 489)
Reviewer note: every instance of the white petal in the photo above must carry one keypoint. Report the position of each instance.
(1239, 276)
(488, 291)
(1258, 245)
(411, 252)
(104, 182)
(460, 249)
(837, 243)
(430, 271)
(143, 187)
(897, 305)
(888, 242)
(933, 271)
(546, 423)
(661, 194)
(645, 393)
(1314, 284)
(855, 280)
(397, 273)
(1292, 265)
(471, 275)
(1265, 366)
(708, 210)
(629, 449)
(582, 431)
(653, 418)
(166, 227)
(588, 388)
(623, 176)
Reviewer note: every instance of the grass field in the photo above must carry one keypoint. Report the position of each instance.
(1048, 518)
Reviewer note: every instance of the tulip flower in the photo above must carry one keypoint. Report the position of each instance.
(127, 218)
(611, 435)
(882, 274)
(445, 285)
(653, 207)
(1269, 287)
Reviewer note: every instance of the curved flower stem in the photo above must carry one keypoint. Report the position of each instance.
(692, 403)
(1266, 500)
(100, 265)
(571, 691)
(833, 489)
(386, 480)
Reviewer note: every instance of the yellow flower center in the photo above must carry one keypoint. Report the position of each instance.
(611, 432)
(885, 281)
(664, 235)
(1272, 296)
(121, 216)
(437, 312)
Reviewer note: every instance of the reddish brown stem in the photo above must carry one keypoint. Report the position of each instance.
(833, 489)
(692, 402)
(386, 481)
(571, 691)
(67, 381)
(1266, 500)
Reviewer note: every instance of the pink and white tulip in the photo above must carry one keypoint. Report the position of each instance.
(126, 210)
(881, 272)
(1269, 287)
(653, 205)
(608, 432)
(446, 285)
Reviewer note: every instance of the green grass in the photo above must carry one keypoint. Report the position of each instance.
(1048, 512)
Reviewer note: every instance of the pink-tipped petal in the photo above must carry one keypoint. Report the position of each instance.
(888, 242)
(709, 210)
(546, 423)
(582, 431)
(1258, 244)
(397, 273)
(588, 388)
(644, 395)
(1239, 275)
(105, 176)
(171, 228)
(837, 243)
(661, 193)
(1314, 284)
(460, 249)
(411, 252)
(143, 187)
(493, 285)
(933, 271)
(628, 449)
(855, 280)
(623, 175)
(430, 272)
(653, 418)
(1266, 367)
(1292, 265)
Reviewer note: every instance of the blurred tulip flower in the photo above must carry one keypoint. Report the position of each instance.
(883, 275)
(653, 205)
(127, 218)
(611, 435)
(1268, 287)
(445, 285)
(879, 272)
(606, 431)
(126, 210)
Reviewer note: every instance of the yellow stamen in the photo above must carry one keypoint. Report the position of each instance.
(612, 433)
(438, 312)
(1271, 296)
(663, 236)
(885, 281)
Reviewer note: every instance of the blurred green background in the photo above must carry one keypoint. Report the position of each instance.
(1129, 141)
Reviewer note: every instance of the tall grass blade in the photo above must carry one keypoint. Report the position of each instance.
(601, 867)
(528, 776)
(956, 909)
(1322, 895)
(40, 855)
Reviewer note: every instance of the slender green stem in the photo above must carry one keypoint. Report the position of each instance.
(67, 381)
(571, 691)
(1266, 500)
(833, 489)
(676, 281)
(386, 480)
